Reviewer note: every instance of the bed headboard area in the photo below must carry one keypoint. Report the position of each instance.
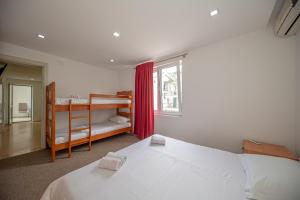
(129, 93)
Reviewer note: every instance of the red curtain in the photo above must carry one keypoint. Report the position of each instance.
(144, 112)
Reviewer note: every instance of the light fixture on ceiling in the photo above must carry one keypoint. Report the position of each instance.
(214, 12)
(41, 36)
(112, 60)
(116, 34)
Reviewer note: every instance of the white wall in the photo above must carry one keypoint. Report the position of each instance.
(29, 73)
(240, 88)
(126, 79)
(71, 77)
(298, 93)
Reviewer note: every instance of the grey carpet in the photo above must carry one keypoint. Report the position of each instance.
(27, 176)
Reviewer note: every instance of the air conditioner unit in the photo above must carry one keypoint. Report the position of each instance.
(288, 22)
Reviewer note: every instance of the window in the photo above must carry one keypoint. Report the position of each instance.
(167, 88)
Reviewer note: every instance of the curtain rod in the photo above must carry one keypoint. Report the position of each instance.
(163, 60)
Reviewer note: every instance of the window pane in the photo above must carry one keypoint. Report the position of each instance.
(155, 92)
(180, 74)
(169, 90)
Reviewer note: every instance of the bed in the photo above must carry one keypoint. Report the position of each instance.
(62, 135)
(58, 140)
(178, 170)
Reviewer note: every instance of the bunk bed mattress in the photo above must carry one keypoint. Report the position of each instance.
(62, 135)
(65, 101)
(176, 171)
(100, 128)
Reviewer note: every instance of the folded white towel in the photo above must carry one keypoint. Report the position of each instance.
(115, 155)
(155, 139)
(110, 163)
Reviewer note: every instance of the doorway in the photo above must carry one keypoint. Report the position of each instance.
(20, 106)
(1, 103)
(21, 110)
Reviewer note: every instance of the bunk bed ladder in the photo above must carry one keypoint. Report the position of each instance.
(51, 122)
(72, 130)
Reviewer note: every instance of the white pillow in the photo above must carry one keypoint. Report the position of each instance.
(119, 119)
(271, 178)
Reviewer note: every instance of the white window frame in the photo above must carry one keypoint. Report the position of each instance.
(159, 69)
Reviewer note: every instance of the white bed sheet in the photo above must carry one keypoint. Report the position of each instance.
(176, 171)
(62, 135)
(65, 101)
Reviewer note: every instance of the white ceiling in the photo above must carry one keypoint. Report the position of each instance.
(82, 30)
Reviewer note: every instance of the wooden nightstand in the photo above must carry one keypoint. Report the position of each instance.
(267, 149)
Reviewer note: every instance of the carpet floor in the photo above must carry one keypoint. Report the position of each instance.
(27, 176)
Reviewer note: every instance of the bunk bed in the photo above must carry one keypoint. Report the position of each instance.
(59, 139)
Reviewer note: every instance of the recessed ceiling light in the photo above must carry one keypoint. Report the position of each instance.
(112, 60)
(116, 34)
(41, 36)
(214, 12)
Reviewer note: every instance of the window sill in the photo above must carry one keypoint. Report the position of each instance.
(168, 114)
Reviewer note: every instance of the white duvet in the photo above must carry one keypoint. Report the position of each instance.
(176, 171)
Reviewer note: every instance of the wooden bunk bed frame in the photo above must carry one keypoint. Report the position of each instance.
(52, 109)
